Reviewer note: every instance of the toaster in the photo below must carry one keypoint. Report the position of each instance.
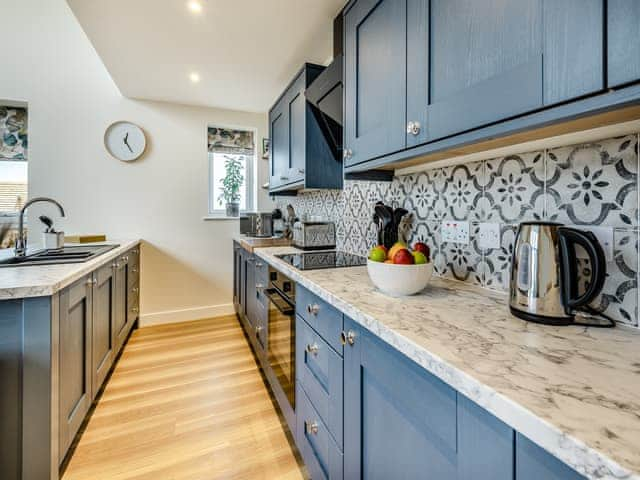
(314, 235)
(256, 224)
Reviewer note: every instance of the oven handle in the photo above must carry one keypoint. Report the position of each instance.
(281, 303)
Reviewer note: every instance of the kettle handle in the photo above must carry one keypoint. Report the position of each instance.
(568, 238)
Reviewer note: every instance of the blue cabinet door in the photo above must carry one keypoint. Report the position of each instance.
(296, 104)
(279, 148)
(533, 463)
(485, 63)
(375, 79)
(573, 49)
(399, 421)
(623, 41)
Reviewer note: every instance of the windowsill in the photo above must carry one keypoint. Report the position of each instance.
(218, 218)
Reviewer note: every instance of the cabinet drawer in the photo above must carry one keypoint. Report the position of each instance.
(322, 317)
(319, 371)
(321, 455)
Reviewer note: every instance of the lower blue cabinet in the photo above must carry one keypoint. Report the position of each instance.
(401, 422)
(534, 463)
(398, 420)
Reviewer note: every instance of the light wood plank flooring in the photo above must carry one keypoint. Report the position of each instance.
(186, 401)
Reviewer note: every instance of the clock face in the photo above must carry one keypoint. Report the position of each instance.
(125, 141)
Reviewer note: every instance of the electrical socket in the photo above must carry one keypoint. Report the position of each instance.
(454, 231)
(489, 235)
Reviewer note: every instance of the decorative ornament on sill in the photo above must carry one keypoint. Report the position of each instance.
(125, 141)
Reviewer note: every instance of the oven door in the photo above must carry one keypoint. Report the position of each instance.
(281, 353)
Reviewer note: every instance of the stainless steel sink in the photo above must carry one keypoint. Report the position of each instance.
(78, 254)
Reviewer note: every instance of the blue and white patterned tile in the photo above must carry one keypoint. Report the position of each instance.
(515, 187)
(594, 184)
(498, 260)
(423, 197)
(463, 190)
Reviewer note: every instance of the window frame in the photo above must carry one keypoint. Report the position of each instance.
(250, 180)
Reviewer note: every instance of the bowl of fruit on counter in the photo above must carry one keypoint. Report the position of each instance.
(400, 270)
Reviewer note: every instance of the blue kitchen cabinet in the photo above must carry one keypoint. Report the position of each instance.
(623, 42)
(402, 422)
(374, 79)
(534, 463)
(573, 44)
(300, 157)
(486, 64)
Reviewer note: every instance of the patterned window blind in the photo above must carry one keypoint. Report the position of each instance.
(224, 140)
(13, 134)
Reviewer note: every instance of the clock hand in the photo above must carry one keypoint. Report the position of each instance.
(126, 142)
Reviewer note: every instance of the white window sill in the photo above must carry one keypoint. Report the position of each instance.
(218, 218)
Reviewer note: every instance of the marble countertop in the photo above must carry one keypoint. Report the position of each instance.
(249, 243)
(574, 391)
(45, 280)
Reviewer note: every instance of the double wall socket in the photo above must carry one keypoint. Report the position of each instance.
(489, 235)
(454, 231)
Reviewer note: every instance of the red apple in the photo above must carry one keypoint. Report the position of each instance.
(422, 247)
(403, 257)
(386, 250)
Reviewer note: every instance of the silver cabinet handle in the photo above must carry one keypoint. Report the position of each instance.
(260, 286)
(301, 170)
(134, 252)
(283, 177)
(125, 259)
(413, 128)
(258, 329)
(311, 427)
(313, 349)
(135, 289)
(251, 260)
(115, 265)
(347, 154)
(259, 264)
(134, 270)
(313, 309)
(91, 282)
(347, 337)
(134, 309)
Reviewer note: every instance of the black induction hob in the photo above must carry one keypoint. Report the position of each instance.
(324, 259)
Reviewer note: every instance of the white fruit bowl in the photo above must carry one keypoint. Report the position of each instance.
(399, 280)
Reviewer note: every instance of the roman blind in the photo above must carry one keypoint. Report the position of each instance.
(226, 140)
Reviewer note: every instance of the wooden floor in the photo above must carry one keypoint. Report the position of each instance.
(186, 401)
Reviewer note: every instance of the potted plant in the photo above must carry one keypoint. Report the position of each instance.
(231, 183)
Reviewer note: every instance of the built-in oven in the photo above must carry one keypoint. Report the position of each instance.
(281, 341)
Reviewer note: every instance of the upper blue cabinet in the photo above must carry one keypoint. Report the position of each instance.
(430, 76)
(623, 46)
(375, 79)
(300, 156)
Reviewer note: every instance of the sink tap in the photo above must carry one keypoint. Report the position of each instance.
(21, 242)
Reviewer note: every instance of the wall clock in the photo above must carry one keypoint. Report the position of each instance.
(125, 141)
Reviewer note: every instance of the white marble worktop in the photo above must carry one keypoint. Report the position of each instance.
(574, 391)
(45, 280)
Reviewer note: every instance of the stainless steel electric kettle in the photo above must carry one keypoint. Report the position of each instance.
(544, 273)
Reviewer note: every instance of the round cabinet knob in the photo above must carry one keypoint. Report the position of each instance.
(313, 349)
(134, 270)
(347, 337)
(135, 289)
(115, 265)
(347, 154)
(259, 264)
(134, 309)
(313, 309)
(413, 128)
(311, 427)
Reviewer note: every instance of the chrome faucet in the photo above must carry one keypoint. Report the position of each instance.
(21, 242)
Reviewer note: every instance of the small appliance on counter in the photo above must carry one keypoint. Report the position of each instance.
(257, 224)
(314, 235)
(544, 275)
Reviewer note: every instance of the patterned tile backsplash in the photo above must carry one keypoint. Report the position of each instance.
(593, 184)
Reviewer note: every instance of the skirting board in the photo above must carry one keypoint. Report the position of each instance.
(185, 315)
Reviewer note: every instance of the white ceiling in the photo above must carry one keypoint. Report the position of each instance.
(244, 51)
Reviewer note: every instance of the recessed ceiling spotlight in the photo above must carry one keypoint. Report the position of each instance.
(194, 77)
(195, 6)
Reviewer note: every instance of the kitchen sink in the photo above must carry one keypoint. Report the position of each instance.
(62, 255)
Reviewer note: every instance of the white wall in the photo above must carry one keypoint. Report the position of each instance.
(187, 262)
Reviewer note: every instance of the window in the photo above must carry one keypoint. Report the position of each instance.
(13, 169)
(229, 148)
